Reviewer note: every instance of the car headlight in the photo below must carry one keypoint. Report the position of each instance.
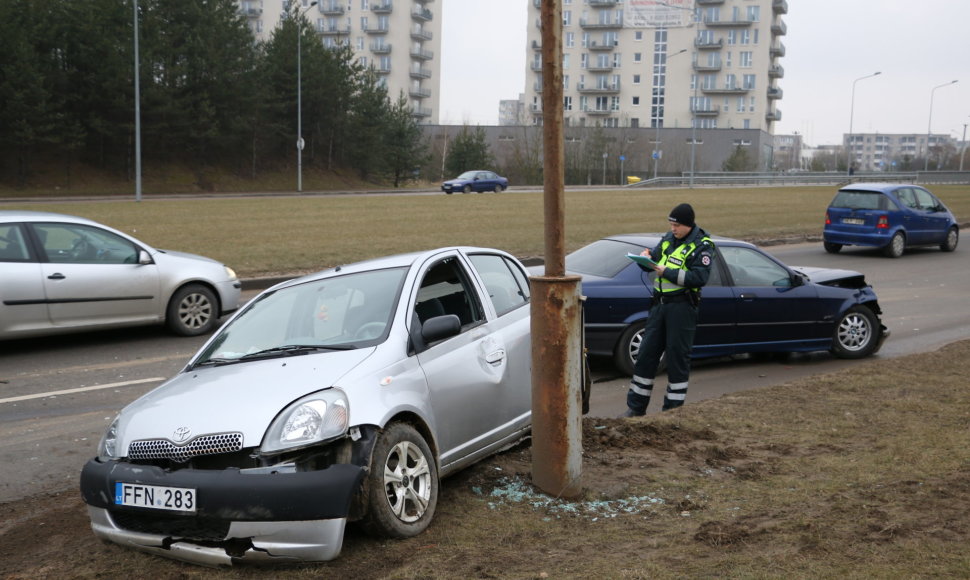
(108, 447)
(230, 272)
(310, 420)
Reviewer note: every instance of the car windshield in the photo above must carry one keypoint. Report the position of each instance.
(336, 313)
(603, 258)
(468, 175)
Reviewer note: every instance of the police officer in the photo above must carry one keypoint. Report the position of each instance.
(683, 258)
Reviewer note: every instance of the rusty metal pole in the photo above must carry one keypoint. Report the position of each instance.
(556, 304)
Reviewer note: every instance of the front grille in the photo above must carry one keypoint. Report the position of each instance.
(149, 449)
(193, 528)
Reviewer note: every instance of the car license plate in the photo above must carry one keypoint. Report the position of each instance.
(179, 499)
(853, 221)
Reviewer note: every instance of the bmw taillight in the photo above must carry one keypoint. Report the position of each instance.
(883, 223)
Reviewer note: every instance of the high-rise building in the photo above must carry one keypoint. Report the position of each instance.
(713, 64)
(400, 39)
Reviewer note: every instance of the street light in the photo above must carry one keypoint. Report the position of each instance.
(299, 97)
(848, 154)
(137, 113)
(693, 131)
(656, 161)
(929, 124)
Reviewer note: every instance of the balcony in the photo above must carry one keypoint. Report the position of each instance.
(380, 48)
(599, 88)
(384, 69)
(419, 93)
(602, 3)
(418, 72)
(586, 23)
(598, 112)
(601, 46)
(708, 44)
(741, 22)
(382, 8)
(733, 90)
(776, 71)
(706, 112)
(422, 15)
(775, 93)
(709, 67)
(333, 30)
(421, 111)
(777, 49)
(537, 87)
(535, 107)
(773, 115)
(419, 33)
(600, 67)
(779, 6)
(709, 2)
(332, 8)
(421, 54)
(536, 67)
(251, 12)
(536, 45)
(376, 28)
(779, 28)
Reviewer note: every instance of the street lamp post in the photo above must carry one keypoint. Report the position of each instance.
(693, 131)
(657, 122)
(137, 112)
(299, 97)
(929, 124)
(848, 154)
(963, 150)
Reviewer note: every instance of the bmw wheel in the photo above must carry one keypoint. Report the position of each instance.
(952, 238)
(896, 247)
(499, 188)
(402, 485)
(856, 334)
(466, 189)
(628, 349)
(193, 310)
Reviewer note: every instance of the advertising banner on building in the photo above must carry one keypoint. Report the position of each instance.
(658, 13)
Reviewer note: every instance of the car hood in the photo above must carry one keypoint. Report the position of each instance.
(453, 181)
(241, 397)
(187, 256)
(832, 277)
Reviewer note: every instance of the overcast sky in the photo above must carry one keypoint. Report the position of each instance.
(915, 44)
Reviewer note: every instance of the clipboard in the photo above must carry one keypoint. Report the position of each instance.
(643, 260)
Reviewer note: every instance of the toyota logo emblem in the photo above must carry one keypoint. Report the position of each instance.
(182, 433)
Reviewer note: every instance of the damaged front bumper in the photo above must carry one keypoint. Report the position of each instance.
(260, 515)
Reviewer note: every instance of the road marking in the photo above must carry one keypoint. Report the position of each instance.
(81, 390)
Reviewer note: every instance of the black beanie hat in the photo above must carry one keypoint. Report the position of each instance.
(683, 214)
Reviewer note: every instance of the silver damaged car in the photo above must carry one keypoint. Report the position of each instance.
(336, 397)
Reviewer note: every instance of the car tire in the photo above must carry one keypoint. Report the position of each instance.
(466, 189)
(856, 333)
(896, 246)
(831, 248)
(193, 310)
(448, 193)
(951, 241)
(499, 188)
(628, 347)
(402, 484)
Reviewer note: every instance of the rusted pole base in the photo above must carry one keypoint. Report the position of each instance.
(557, 414)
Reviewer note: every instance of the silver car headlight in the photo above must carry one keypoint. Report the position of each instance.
(108, 447)
(230, 272)
(310, 420)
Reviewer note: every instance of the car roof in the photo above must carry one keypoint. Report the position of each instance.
(648, 239)
(876, 187)
(19, 215)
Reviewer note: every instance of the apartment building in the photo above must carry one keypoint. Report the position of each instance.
(713, 64)
(400, 39)
(899, 151)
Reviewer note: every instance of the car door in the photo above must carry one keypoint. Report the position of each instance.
(772, 306)
(717, 317)
(912, 219)
(22, 303)
(92, 277)
(483, 182)
(467, 373)
(934, 215)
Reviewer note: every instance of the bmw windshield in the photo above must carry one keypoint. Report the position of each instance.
(334, 313)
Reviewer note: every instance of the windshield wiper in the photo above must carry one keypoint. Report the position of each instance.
(293, 349)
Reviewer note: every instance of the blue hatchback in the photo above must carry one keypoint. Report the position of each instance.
(891, 216)
(751, 303)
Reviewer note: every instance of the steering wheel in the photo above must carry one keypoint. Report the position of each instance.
(80, 248)
(369, 330)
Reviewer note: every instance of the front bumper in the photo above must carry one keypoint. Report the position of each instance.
(254, 515)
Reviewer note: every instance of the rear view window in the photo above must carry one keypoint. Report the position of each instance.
(860, 200)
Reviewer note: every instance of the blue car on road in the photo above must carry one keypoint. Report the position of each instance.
(890, 216)
(752, 303)
(477, 181)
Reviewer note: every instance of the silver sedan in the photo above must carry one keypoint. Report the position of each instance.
(61, 273)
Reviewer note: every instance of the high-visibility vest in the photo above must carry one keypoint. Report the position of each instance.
(676, 260)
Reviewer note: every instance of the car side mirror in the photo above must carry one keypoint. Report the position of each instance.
(440, 327)
(144, 258)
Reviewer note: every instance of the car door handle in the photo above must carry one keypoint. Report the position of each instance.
(57, 276)
(747, 296)
(495, 357)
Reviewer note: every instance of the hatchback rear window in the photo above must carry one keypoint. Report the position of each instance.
(860, 200)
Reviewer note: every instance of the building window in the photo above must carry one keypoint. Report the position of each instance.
(567, 17)
(565, 61)
(754, 13)
(636, 101)
(567, 103)
(637, 57)
(570, 39)
(747, 59)
(638, 35)
(636, 79)
(749, 81)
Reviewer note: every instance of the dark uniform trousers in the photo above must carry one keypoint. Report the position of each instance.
(670, 328)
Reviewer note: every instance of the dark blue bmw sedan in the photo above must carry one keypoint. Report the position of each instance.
(890, 216)
(752, 303)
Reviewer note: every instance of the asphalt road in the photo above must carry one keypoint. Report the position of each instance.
(57, 395)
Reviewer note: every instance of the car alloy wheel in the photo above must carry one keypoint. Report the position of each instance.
(896, 247)
(402, 484)
(193, 310)
(952, 238)
(856, 334)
